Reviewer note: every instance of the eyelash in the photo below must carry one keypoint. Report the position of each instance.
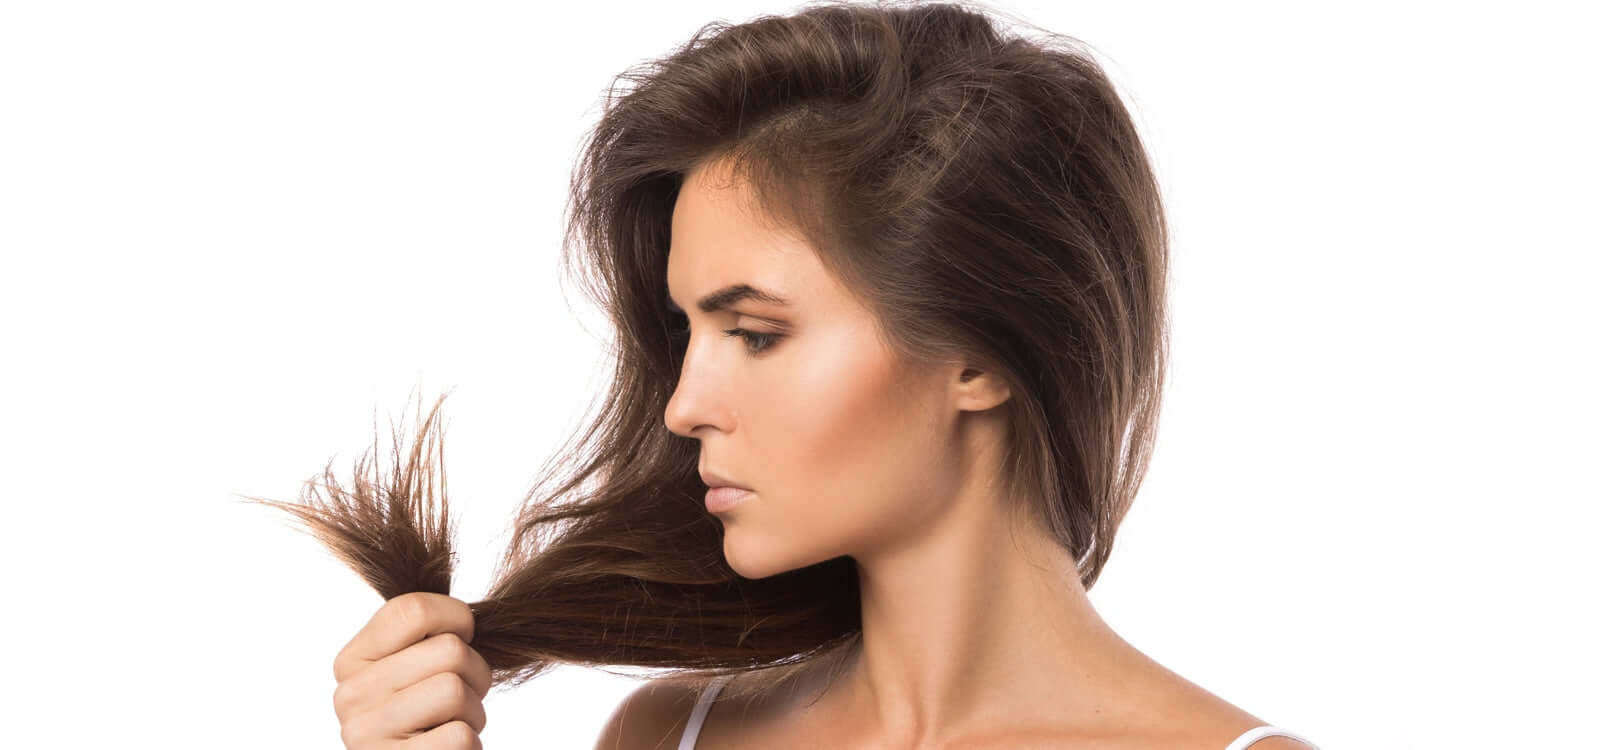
(759, 341)
(755, 343)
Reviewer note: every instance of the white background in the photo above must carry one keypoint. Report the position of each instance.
(234, 234)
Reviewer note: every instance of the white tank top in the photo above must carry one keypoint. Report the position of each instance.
(691, 733)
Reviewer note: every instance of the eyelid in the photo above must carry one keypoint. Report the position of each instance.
(780, 326)
(749, 337)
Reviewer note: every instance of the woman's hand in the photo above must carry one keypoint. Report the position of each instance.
(409, 679)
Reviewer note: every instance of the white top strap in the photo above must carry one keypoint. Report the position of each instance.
(1250, 736)
(702, 706)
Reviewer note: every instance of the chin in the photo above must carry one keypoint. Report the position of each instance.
(751, 564)
(754, 556)
(760, 545)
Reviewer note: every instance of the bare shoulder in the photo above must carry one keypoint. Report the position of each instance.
(1226, 722)
(1203, 719)
(1218, 723)
(652, 717)
(1278, 743)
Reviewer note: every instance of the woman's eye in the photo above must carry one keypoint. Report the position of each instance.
(754, 342)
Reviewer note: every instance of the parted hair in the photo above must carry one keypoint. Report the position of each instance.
(982, 190)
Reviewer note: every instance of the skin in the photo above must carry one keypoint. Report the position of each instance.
(409, 678)
(976, 629)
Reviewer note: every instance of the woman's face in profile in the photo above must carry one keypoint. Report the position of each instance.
(841, 443)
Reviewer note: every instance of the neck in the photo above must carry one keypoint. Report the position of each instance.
(972, 624)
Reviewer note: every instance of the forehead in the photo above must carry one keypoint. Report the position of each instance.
(719, 237)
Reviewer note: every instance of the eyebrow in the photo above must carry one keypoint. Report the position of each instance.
(728, 295)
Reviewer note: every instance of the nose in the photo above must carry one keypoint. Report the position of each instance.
(677, 417)
(695, 401)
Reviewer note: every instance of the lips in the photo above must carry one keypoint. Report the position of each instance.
(719, 499)
(723, 493)
(715, 480)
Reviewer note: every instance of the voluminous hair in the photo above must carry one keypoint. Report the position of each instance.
(984, 193)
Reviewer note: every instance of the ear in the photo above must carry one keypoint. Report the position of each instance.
(977, 388)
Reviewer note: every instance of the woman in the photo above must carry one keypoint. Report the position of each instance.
(889, 290)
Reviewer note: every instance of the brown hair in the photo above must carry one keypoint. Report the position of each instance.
(987, 197)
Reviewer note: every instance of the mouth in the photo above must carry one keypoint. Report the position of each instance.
(714, 480)
(720, 499)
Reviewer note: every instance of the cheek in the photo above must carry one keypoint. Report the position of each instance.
(847, 442)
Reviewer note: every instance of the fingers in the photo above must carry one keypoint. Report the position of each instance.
(418, 714)
(445, 652)
(431, 704)
(435, 701)
(400, 622)
(455, 735)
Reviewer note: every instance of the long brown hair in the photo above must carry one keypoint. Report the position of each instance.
(985, 194)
